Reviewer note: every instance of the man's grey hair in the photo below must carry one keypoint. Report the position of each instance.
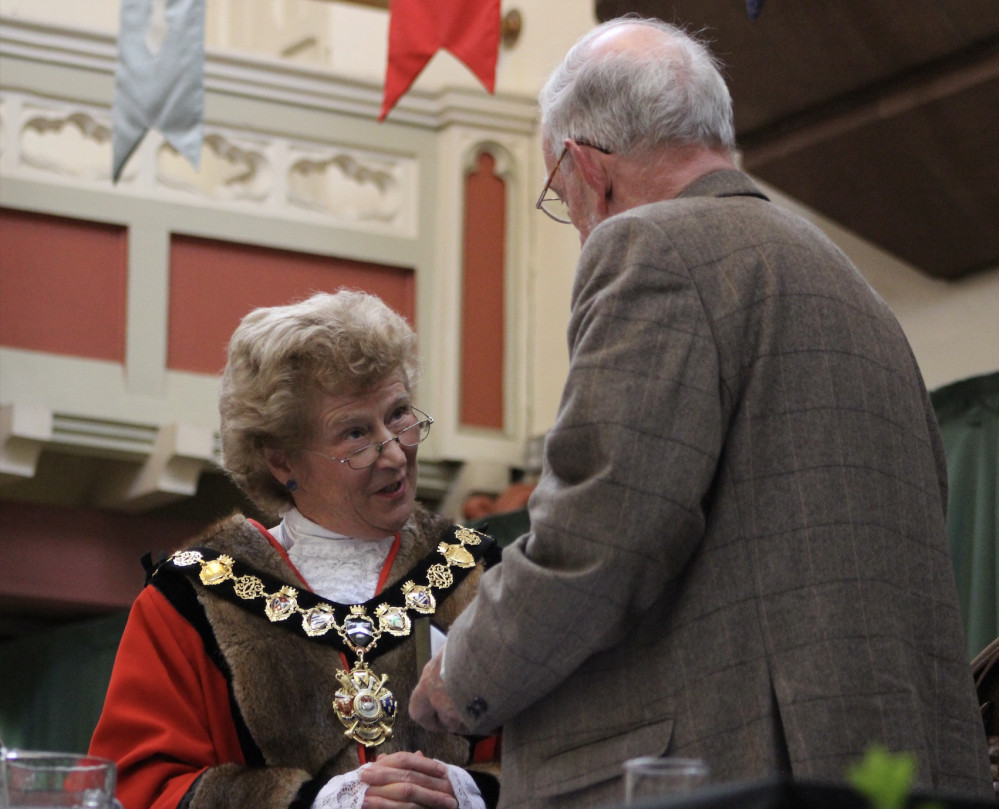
(672, 93)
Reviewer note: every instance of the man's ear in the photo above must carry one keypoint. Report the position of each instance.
(594, 168)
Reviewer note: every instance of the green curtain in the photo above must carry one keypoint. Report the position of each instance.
(52, 684)
(968, 412)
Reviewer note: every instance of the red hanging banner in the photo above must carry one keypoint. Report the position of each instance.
(469, 29)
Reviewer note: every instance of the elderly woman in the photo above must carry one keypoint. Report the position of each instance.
(264, 669)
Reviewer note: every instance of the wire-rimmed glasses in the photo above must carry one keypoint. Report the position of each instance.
(407, 437)
(549, 202)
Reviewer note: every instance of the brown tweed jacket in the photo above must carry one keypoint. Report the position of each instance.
(738, 548)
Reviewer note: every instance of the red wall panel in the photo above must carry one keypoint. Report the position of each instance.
(214, 283)
(78, 560)
(62, 285)
(482, 298)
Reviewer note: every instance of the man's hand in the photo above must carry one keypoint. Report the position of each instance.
(430, 704)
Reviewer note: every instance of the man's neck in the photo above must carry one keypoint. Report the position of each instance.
(663, 173)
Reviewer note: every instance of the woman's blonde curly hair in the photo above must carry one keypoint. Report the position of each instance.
(282, 358)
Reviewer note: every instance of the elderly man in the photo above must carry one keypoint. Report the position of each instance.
(737, 547)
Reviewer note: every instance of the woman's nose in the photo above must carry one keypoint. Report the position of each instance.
(392, 449)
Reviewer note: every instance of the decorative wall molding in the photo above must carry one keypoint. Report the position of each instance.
(279, 81)
(23, 432)
(505, 164)
(64, 46)
(76, 144)
(459, 148)
(66, 142)
(347, 188)
(170, 471)
(166, 460)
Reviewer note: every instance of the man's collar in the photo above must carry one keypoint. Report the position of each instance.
(723, 183)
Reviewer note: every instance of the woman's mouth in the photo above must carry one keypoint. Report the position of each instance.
(392, 488)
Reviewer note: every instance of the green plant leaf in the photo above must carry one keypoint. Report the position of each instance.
(884, 778)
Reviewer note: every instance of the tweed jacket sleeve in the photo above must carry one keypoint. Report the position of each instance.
(642, 403)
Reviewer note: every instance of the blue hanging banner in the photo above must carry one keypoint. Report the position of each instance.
(159, 77)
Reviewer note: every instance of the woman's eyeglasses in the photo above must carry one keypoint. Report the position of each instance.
(407, 437)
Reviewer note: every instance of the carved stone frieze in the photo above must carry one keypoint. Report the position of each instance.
(230, 168)
(348, 186)
(67, 141)
(64, 141)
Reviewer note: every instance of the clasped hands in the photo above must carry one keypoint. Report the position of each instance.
(407, 781)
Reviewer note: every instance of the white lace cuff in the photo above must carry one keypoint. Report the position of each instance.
(465, 789)
(342, 792)
(347, 791)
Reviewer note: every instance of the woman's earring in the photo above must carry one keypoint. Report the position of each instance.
(291, 484)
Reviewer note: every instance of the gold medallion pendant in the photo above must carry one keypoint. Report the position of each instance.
(364, 705)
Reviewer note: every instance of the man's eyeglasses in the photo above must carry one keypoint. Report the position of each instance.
(407, 437)
(551, 203)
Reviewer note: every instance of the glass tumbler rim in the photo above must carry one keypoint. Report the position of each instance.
(73, 760)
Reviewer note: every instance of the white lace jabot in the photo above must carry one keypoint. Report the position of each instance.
(337, 567)
(340, 568)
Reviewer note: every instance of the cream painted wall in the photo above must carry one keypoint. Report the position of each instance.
(349, 39)
(953, 326)
(96, 15)
(553, 268)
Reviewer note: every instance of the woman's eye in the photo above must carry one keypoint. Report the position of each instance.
(355, 434)
(401, 413)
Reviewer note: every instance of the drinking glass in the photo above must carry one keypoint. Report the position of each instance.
(649, 776)
(56, 781)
